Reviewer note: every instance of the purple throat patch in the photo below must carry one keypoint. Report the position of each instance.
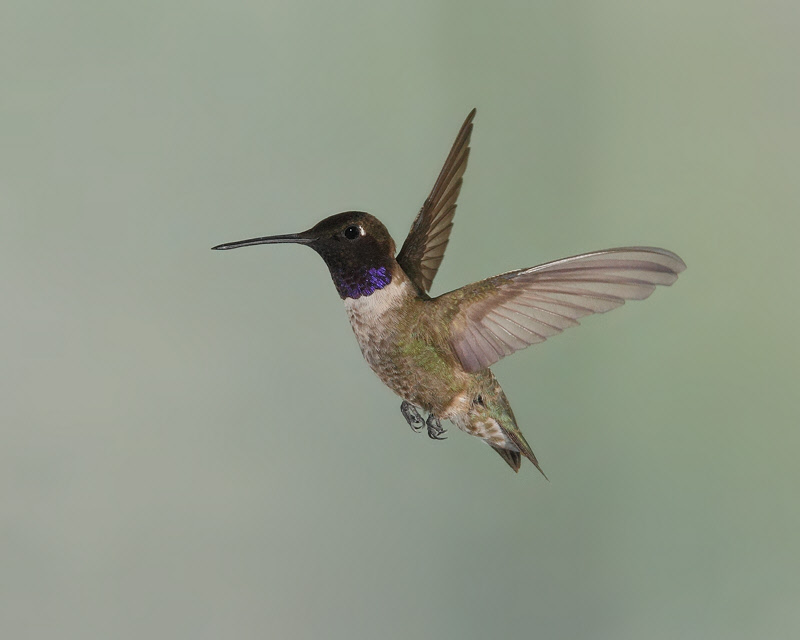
(363, 283)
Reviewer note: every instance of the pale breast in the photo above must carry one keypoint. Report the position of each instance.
(374, 319)
(386, 325)
(376, 323)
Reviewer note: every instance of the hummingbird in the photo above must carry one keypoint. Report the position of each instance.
(435, 352)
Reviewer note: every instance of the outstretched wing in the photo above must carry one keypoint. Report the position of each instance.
(423, 250)
(498, 316)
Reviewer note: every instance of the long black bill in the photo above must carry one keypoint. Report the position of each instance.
(297, 238)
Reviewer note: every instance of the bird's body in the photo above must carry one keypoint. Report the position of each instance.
(399, 331)
(435, 353)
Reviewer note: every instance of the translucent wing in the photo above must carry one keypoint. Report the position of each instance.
(498, 316)
(423, 250)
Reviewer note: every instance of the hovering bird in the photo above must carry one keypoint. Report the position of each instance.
(435, 353)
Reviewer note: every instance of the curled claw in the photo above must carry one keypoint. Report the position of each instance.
(435, 429)
(412, 416)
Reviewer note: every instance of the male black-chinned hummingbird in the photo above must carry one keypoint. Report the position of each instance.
(435, 353)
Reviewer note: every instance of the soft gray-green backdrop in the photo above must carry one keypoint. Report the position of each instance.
(190, 443)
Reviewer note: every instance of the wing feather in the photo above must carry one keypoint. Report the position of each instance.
(423, 249)
(498, 316)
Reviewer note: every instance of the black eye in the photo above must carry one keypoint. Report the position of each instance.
(352, 232)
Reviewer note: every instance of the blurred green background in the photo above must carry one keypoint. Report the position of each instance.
(190, 443)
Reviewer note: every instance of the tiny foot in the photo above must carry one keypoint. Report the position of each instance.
(435, 430)
(412, 416)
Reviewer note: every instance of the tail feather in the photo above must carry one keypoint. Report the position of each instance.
(513, 458)
(510, 428)
(516, 436)
(490, 417)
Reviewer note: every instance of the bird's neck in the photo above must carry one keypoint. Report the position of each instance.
(362, 279)
(356, 281)
(381, 306)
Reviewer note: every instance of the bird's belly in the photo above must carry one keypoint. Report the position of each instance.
(385, 355)
(397, 350)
